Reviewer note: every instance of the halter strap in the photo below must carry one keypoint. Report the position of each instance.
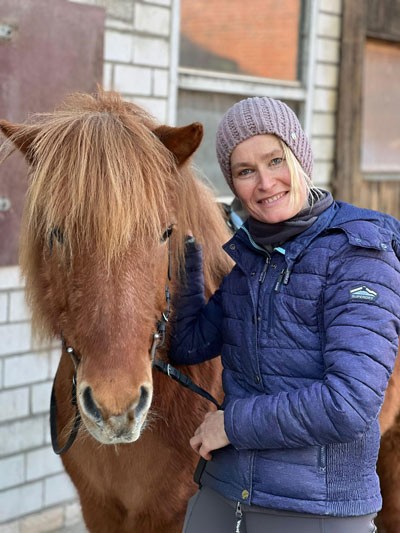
(59, 450)
(160, 334)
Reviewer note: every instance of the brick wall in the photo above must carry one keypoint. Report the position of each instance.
(137, 53)
(263, 40)
(323, 131)
(31, 476)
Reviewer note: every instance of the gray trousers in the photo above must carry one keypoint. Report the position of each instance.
(210, 512)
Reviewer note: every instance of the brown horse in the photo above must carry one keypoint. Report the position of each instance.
(388, 520)
(106, 182)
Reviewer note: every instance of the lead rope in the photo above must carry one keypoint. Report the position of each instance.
(159, 339)
(167, 368)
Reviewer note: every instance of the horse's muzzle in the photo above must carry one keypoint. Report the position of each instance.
(111, 427)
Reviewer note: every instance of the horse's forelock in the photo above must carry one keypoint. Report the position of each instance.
(99, 174)
(101, 179)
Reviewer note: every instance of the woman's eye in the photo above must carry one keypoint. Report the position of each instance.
(244, 172)
(276, 161)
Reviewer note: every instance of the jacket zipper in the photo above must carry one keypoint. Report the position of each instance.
(279, 280)
(276, 289)
(322, 459)
(239, 516)
(257, 303)
(264, 270)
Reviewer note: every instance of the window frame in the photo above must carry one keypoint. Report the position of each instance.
(300, 91)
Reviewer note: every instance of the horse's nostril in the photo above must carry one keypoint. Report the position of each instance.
(90, 405)
(143, 400)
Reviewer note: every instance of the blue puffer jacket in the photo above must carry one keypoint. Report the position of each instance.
(308, 337)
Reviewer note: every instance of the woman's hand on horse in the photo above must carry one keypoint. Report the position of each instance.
(210, 435)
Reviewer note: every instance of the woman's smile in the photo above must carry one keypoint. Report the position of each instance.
(262, 180)
(273, 199)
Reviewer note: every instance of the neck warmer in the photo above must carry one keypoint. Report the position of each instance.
(271, 235)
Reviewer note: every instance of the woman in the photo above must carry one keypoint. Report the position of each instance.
(307, 323)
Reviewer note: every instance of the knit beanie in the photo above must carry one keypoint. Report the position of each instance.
(257, 116)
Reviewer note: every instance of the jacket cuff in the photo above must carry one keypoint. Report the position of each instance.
(232, 421)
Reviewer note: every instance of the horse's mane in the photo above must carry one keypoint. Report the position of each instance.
(99, 175)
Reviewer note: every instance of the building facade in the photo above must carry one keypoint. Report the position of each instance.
(142, 60)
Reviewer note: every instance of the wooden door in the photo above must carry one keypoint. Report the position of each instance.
(48, 49)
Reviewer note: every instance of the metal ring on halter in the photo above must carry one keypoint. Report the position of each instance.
(73, 356)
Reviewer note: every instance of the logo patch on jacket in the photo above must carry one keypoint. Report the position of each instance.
(363, 293)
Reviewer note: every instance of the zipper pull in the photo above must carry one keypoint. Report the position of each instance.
(286, 276)
(239, 516)
(264, 270)
(279, 280)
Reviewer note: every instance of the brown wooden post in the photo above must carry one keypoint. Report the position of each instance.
(350, 100)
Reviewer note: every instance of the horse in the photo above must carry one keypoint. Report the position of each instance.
(388, 466)
(110, 199)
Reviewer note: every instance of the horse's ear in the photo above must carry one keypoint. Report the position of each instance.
(21, 135)
(182, 142)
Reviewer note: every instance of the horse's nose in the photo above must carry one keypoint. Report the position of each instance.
(99, 413)
(90, 406)
(144, 401)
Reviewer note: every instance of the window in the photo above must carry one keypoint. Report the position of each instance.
(231, 49)
(380, 143)
(233, 36)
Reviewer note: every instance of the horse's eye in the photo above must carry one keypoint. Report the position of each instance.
(167, 233)
(55, 233)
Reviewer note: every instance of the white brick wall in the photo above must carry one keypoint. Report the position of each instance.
(3, 307)
(151, 51)
(118, 47)
(138, 54)
(130, 79)
(12, 471)
(41, 463)
(152, 19)
(323, 123)
(14, 404)
(32, 479)
(15, 338)
(20, 501)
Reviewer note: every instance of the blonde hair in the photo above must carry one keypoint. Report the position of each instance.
(296, 175)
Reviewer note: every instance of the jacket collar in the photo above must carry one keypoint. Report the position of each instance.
(290, 250)
(363, 227)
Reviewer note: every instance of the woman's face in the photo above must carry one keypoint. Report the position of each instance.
(261, 179)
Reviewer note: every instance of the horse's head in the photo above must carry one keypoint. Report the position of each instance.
(106, 186)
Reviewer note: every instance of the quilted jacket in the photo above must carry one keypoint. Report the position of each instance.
(308, 337)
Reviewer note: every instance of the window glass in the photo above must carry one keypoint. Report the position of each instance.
(208, 109)
(260, 38)
(380, 148)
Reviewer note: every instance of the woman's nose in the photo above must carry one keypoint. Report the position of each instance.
(265, 180)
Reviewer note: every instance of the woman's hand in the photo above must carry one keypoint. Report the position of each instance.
(210, 435)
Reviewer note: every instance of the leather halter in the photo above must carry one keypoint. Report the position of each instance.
(162, 366)
(53, 408)
(159, 339)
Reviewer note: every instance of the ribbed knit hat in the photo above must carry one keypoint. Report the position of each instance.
(257, 116)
